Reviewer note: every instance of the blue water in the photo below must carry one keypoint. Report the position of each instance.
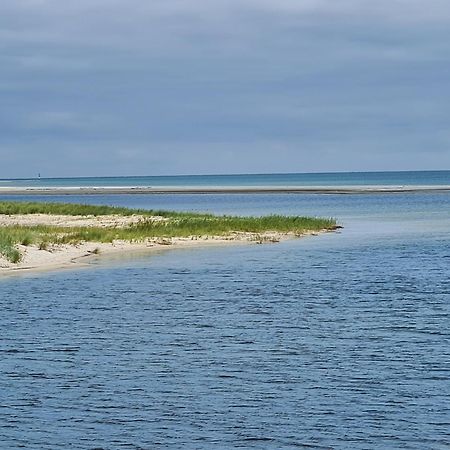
(293, 179)
(339, 341)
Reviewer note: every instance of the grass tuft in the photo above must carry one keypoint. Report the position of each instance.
(8, 240)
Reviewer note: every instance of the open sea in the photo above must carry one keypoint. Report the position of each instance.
(427, 178)
(338, 341)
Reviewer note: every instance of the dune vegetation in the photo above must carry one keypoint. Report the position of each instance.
(169, 224)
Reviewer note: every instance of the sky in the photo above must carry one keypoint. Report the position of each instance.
(162, 87)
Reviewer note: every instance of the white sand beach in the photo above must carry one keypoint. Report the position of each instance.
(56, 256)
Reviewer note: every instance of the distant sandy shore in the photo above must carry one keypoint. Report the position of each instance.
(56, 257)
(220, 190)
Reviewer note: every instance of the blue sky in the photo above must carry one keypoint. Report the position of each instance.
(149, 87)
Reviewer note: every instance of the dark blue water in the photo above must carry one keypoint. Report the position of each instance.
(339, 341)
(290, 179)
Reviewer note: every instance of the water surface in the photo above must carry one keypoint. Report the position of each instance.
(338, 341)
(390, 178)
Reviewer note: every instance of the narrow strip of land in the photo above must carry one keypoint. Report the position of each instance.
(105, 190)
(42, 236)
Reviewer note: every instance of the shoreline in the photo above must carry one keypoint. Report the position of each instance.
(38, 236)
(66, 257)
(110, 190)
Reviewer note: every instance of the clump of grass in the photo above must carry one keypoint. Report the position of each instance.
(27, 240)
(43, 245)
(14, 256)
(8, 246)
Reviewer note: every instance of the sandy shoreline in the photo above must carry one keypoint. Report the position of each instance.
(91, 190)
(59, 257)
(56, 257)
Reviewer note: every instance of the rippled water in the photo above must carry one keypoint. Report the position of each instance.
(336, 342)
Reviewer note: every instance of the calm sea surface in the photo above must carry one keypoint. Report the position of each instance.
(340, 341)
(291, 179)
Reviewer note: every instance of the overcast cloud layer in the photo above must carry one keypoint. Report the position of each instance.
(148, 87)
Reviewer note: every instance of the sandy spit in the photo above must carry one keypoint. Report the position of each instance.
(57, 257)
(65, 256)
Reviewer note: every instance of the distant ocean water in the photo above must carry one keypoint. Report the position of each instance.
(339, 341)
(290, 179)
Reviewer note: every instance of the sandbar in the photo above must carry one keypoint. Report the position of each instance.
(66, 256)
(105, 190)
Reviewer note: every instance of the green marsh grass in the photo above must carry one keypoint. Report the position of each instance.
(8, 241)
(176, 225)
(69, 209)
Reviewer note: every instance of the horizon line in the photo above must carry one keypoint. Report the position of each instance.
(226, 174)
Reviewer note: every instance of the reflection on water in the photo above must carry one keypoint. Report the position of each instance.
(337, 341)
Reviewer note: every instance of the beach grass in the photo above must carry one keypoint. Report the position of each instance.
(9, 238)
(75, 209)
(175, 224)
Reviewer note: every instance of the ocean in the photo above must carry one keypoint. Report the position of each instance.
(335, 341)
(425, 178)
